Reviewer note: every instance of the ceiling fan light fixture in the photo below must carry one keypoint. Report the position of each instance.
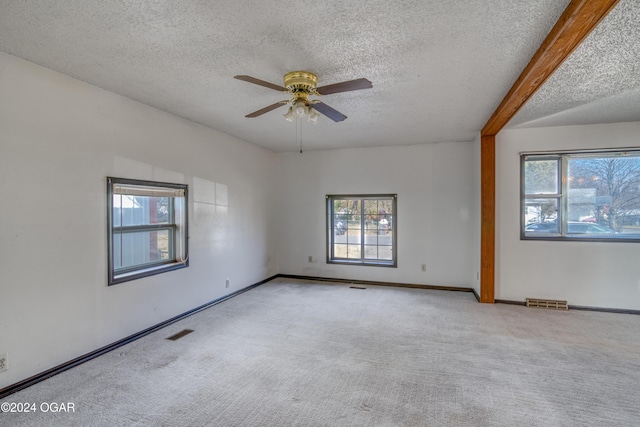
(300, 108)
(313, 115)
(290, 116)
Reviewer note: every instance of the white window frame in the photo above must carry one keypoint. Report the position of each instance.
(563, 221)
(331, 231)
(176, 227)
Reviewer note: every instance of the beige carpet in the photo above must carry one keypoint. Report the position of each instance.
(298, 353)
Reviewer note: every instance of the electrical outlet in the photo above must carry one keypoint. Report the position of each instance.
(4, 361)
(226, 285)
(424, 267)
(310, 258)
(478, 275)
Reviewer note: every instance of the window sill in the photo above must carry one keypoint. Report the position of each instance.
(150, 271)
(363, 263)
(578, 238)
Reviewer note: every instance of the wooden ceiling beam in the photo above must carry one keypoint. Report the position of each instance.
(574, 25)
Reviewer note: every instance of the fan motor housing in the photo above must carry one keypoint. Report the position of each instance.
(301, 81)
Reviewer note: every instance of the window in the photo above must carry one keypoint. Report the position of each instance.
(147, 227)
(362, 230)
(581, 196)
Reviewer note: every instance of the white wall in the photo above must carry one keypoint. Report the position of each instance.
(59, 140)
(434, 183)
(598, 274)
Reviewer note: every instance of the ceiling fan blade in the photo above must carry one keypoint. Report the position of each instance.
(345, 86)
(323, 108)
(266, 109)
(260, 83)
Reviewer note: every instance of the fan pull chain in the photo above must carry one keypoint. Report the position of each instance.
(300, 121)
(297, 132)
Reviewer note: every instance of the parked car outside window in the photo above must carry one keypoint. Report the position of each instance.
(573, 227)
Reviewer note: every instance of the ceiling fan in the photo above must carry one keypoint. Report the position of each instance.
(300, 85)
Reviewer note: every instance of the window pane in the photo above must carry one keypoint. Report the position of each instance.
(353, 222)
(354, 237)
(541, 216)
(385, 253)
(603, 192)
(340, 225)
(140, 210)
(581, 204)
(340, 205)
(371, 237)
(541, 177)
(385, 216)
(354, 207)
(371, 252)
(354, 252)
(541, 210)
(383, 224)
(340, 251)
(145, 247)
(385, 207)
(360, 225)
(371, 207)
(385, 239)
(347, 251)
(596, 230)
(371, 223)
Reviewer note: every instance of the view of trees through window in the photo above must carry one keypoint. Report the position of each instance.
(605, 191)
(582, 194)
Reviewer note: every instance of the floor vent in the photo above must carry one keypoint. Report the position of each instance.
(547, 303)
(357, 287)
(180, 334)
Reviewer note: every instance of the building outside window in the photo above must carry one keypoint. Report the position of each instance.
(581, 195)
(362, 229)
(147, 228)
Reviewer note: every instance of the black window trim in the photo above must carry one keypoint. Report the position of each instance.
(330, 227)
(145, 270)
(562, 158)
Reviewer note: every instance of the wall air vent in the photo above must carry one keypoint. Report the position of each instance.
(180, 334)
(547, 303)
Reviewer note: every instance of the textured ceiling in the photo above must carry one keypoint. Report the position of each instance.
(599, 83)
(439, 68)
